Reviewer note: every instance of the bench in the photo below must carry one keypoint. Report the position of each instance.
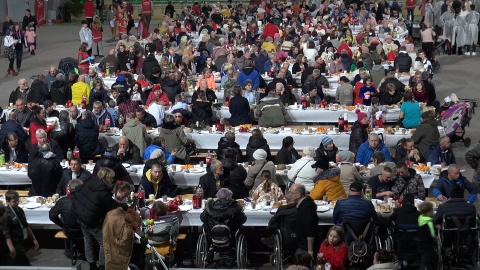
(70, 245)
(21, 193)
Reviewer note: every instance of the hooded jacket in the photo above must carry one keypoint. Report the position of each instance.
(39, 92)
(223, 210)
(444, 186)
(426, 234)
(136, 132)
(202, 112)
(403, 62)
(148, 64)
(358, 136)
(365, 152)
(328, 183)
(60, 92)
(249, 73)
(240, 111)
(61, 214)
(224, 144)
(45, 172)
(172, 88)
(255, 143)
(437, 156)
(175, 139)
(236, 174)
(65, 136)
(322, 151)
(426, 135)
(163, 186)
(86, 138)
(271, 112)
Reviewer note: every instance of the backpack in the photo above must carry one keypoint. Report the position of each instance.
(164, 229)
(220, 233)
(358, 248)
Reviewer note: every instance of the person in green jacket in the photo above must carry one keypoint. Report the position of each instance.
(271, 111)
(426, 235)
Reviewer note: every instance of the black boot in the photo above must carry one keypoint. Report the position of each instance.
(93, 266)
(101, 267)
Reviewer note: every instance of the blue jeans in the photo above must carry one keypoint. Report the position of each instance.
(19, 53)
(88, 234)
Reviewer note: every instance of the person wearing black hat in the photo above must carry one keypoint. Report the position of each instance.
(49, 110)
(407, 213)
(355, 207)
(327, 182)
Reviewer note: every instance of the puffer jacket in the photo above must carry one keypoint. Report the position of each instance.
(403, 62)
(45, 173)
(224, 144)
(413, 185)
(387, 99)
(223, 210)
(331, 154)
(328, 183)
(91, 203)
(202, 112)
(425, 136)
(271, 112)
(473, 160)
(175, 139)
(358, 136)
(65, 137)
(237, 175)
(303, 173)
(118, 238)
(171, 87)
(444, 186)
(436, 156)
(255, 143)
(365, 153)
(86, 138)
(254, 177)
(354, 207)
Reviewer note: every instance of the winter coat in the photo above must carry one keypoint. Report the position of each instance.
(115, 164)
(413, 185)
(60, 92)
(148, 64)
(425, 136)
(237, 175)
(132, 155)
(86, 138)
(61, 214)
(454, 207)
(254, 174)
(211, 97)
(387, 99)
(91, 203)
(471, 29)
(426, 234)
(472, 157)
(337, 258)
(45, 173)
(65, 136)
(202, 112)
(358, 136)
(38, 91)
(348, 175)
(444, 186)
(307, 226)
(365, 153)
(344, 94)
(67, 176)
(208, 184)
(158, 189)
(303, 173)
(459, 25)
(118, 238)
(223, 210)
(172, 88)
(240, 111)
(331, 154)
(354, 207)
(55, 149)
(20, 151)
(271, 112)
(135, 131)
(175, 139)
(403, 62)
(260, 61)
(286, 156)
(328, 183)
(255, 143)
(224, 144)
(437, 156)
(12, 126)
(250, 74)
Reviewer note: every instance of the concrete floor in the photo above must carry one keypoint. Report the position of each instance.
(458, 74)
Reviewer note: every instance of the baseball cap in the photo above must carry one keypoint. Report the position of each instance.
(356, 186)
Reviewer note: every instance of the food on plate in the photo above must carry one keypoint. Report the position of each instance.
(297, 130)
(389, 130)
(322, 129)
(384, 208)
(276, 205)
(18, 166)
(172, 206)
(412, 131)
(423, 168)
(243, 128)
(23, 200)
(241, 202)
(350, 108)
(281, 167)
(272, 130)
(187, 167)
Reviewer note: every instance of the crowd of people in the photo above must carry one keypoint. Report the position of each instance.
(241, 44)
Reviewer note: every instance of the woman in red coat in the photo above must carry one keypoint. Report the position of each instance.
(38, 122)
(142, 29)
(334, 250)
(83, 59)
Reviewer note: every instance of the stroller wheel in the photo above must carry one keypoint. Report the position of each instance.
(467, 142)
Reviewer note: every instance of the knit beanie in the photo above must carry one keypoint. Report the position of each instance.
(326, 140)
(360, 114)
(260, 154)
(345, 156)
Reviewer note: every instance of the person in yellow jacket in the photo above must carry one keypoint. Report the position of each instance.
(327, 182)
(80, 89)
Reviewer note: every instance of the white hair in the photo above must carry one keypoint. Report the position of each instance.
(309, 151)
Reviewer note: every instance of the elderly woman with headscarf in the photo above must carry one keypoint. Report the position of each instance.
(259, 164)
(302, 171)
(348, 172)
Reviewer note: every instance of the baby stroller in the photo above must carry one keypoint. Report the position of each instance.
(454, 120)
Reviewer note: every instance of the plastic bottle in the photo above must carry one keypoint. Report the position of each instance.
(120, 121)
(141, 196)
(2, 158)
(195, 199)
(208, 158)
(69, 154)
(345, 122)
(368, 192)
(341, 123)
(107, 121)
(76, 152)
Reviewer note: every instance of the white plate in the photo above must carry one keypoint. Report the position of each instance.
(126, 165)
(23, 170)
(323, 208)
(3, 168)
(185, 207)
(161, 200)
(196, 170)
(320, 202)
(308, 133)
(333, 133)
(32, 205)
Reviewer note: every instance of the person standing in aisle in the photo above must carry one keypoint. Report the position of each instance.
(19, 35)
(147, 11)
(97, 32)
(100, 6)
(112, 20)
(86, 36)
(89, 11)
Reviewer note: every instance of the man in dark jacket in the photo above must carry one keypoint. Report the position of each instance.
(355, 207)
(441, 153)
(13, 144)
(407, 213)
(127, 151)
(256, 141)
(403, 61)
(239, 108)
(23, 113)
(228, 142)
(21, 92)
(472, 157)
(260, 61)
(146, 118)
(61, 213)
(12, 126)
(172, 86)
(43, 139)
(86, 136)
(110, 160)
(451, 179)
(39, 90)
(149, 63)
(49, 110)
(406, 150)
(60, 92)
(156, 183)
(214, 179)
(45, 172)
(306, 227)
(390, 78)
(427, 133)
(74, 172)
(236, 174)
(111, 61)
(455, 206)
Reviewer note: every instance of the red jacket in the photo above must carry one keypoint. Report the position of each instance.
(122, 27)
(163, 97)
(89, 9)
(142, 29)
(411, 4)
(345, 47)
(196, 9)
(97, 35)
(33, 130)
(270, 30)
(147, 7)
(336, 258)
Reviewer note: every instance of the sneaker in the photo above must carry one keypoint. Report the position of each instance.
(267, 241)
(19, 71)
(474, 53)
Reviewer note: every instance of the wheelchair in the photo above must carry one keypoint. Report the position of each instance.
(457, 239)
(284, 245)
(206, 249)
(405, 238)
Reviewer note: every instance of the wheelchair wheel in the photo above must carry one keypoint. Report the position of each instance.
(439, 252)
(277, 260)
(202, 251)
(241, 252)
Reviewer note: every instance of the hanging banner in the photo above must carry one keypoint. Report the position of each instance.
(40, 12)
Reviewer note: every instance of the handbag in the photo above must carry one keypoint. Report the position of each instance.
(191, 149)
